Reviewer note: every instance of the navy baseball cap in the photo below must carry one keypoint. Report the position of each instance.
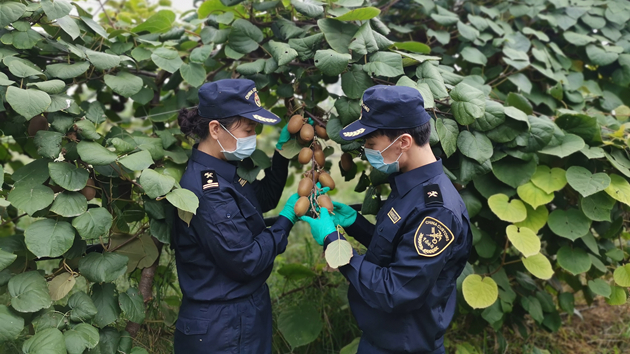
(387, 107)
(233, 97)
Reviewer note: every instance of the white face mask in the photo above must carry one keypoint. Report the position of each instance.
(375, 158)
(245, 147)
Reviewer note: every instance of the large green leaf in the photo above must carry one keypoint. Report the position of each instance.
(156, 184)
(55, 9)
(600, 287)
(103, 267)
(384, 64)
(598, 206)
(34, 173)
(524, 239)
(622, 275)
(338, 34)
(166, 59)
(549, 180)
(132, 305)
(83, 308)
(50, 86)
(282, 53)
(577, 39)
(137, 161)
(355, 82)
(308, 8)
(536, 218)
(569, 144)
(104, 299)
(49, 237)
(571, 224)
(48, 143)
(533, 195)
(361, 14)
(68, 176)
(330, 62)
(514, 172)
(539, 266)
(95, 153)
(69, 204)
(474, 55)
(29, 102)
(10, 12)
(475, 145)
(448, 132)
(430, 75)
(492, 118)
(574, 260)
(586, 183)
(11, 324)
(300, 324)
(20, 69)
(31, 198)
(81, 337)
(67, 71)
(506, 210)
(47, 341)
(184, 200)
(29, 292)
(363, 41)
(159, 22)
(102, 61)
(480, 292)
(306, 46)
(469, 103)
(6, 259)
(619, 189)
(124, 83)
(244, 36)
(93, 224)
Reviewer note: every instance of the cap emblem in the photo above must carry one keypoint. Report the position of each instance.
(257, 99)
(354, 133)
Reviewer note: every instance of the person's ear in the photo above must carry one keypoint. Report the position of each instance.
(214, 128)
(406, 141)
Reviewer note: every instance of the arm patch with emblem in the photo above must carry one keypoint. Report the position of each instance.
(209, 180)
(432, 237)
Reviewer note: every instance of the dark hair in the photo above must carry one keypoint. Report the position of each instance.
(420, 134)
(196, 126)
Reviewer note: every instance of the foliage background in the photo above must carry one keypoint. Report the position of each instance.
(530, 100)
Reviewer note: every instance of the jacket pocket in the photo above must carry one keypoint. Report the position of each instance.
(190, 326)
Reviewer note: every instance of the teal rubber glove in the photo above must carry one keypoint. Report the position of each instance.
(322, 227)
(321, 190)
(344, 214)
(284, 137)
(289, 208)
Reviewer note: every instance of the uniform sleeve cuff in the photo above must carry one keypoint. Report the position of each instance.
(284, 223)
(332, 237)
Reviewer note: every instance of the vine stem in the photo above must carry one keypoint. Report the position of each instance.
(132, 238)
(316, 119)
(13, 220)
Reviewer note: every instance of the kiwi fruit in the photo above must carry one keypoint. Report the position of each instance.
(325, 202)
(305, 156)
(326, 180)
(321, 132)
(305, 187)
(89, 192)
(346, 161)
(320, 158)
(307, 132)
(295, 124)
(36, 124)
(301, 206)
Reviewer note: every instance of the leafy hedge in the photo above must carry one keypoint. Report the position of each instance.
(530, 103)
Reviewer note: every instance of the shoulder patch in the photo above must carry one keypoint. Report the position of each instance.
(432, 194)
(393, 216)
(432, 237)
(209, 180)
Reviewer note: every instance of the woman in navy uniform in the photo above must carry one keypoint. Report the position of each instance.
(225, 255)
(403, 290)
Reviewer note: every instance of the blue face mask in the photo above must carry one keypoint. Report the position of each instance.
(244, 147)
(375, 158)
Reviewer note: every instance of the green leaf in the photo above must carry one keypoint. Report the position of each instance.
(68, 176)
(10, 12)
(361, 14)
(49, 237)
(103, 267)
(475, 145)
(600, 287)
(338, 253)
(539, 266)
(492, 118)
(31, 198)
(480, 292)
(83, 308)
(95, 26)
(571, 224)
(308, 8)
(124, 83)
(330, 62)
(137, 161)
(384, 64)
(29, 292)
(184, 200)
(338, 34)
(599, 56)
(522, 82)
(524, 239)
(448, 131)
(549, 180)
(61, 285)
(83, 336)
(300, 324)
(95, 153)
(48, 143)
(156, 184)
(69, 204)
(102, 61)
(47, 341)
(520, 102)
(11, 324)
(244, 36)
(533, 195)
(34, 173)
(586, 183)
(363, 41)
(50, 86)
(574, 260)
(466, 31)
(430, 75)
(510, 211)
(474, 55)
(29, 102)
(282, 53)
(6, 259)
(132, 305)
(355, 82)
(67, 71)
(20, 69)
(469, 103)
(94, 223)
(536, 218)
(412, 46)
(618, 296)
(306, 46)
(160, 22)
(104, 299)
(577, 39)
(166, 59)
(619, 189)
(533, 307)
(598, 206)
(622, 275)
(581, 125)
(514, 172)
(55, 9)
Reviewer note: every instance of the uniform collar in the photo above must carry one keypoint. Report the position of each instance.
(405, 182)
(225, 169)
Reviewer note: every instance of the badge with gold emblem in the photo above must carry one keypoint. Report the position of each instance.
(257, 99)
(432, 237)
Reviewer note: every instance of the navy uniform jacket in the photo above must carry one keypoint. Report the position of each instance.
(403, 290)
(227, 253)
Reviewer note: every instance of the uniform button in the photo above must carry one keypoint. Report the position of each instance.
(187, 329)
(228, 215)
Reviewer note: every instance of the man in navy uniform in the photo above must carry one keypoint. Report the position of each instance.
(403, 289)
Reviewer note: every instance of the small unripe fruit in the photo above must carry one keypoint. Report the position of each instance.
(326, 180)
(305, 156)
(307, 132)
(321, 132)
(36, 124)
(346, 162)
(325, 202)
(295, 124)
(320, 158)
(301, 206)
(305, 187)
(89, 192)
